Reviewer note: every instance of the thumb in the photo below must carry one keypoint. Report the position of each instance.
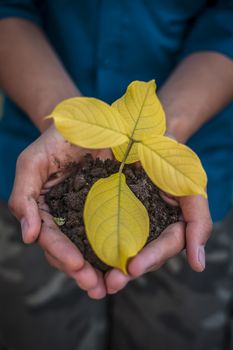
(196, 214)
(23, 200)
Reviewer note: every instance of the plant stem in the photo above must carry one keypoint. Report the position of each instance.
(128, 149)
(130, 144)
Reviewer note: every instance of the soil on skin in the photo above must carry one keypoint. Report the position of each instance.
(67, 200)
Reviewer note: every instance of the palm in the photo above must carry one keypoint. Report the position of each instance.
(43, 164)
(191, 232)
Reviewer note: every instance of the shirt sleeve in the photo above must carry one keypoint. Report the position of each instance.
(25, 9)
(212, 30)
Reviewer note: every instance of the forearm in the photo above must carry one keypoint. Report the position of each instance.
(30, 72)
(197, 90)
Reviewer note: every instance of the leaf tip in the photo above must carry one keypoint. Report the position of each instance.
(123, 265)
(204, 194)
(152, 82)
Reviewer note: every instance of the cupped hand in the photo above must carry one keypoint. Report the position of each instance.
(191, 233)
(39, 167)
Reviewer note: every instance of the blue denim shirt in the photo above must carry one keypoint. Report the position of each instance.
(105, 44)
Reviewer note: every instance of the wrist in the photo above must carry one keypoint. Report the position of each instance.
(191, 95)
(177, 127)
(46, 105)
(177, 120)
(180, 121)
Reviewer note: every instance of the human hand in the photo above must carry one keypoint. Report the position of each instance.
(39, 167)
(191, 233)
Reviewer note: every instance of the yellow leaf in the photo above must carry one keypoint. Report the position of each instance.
(143, 112)
(90, 123)
(116, 222)
(173, 167)
(119, 152)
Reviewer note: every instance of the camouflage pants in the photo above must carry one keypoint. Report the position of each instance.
(173, 308)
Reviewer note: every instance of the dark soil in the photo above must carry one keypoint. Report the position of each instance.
(66, 200)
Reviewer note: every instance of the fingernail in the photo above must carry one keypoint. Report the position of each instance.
(152, 268)
(24, 227)
(201, 256)
(112, 291)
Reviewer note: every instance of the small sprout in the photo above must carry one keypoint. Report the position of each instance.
(59, 221)
(116, 222)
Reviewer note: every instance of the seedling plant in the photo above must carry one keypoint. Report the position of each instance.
(134, 126)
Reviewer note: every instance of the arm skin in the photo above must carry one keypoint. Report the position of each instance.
(33, 77)
(30, 72)
(200, 87)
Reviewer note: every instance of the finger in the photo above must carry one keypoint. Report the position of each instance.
(86, 277)
(58, 245)
(168, 244)
(103, 154)
(171, 200)
(63, 255)
(116, 280)
(56, 178)
(99, 292)
(23, 199)
(196, 214)
(53, 262)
